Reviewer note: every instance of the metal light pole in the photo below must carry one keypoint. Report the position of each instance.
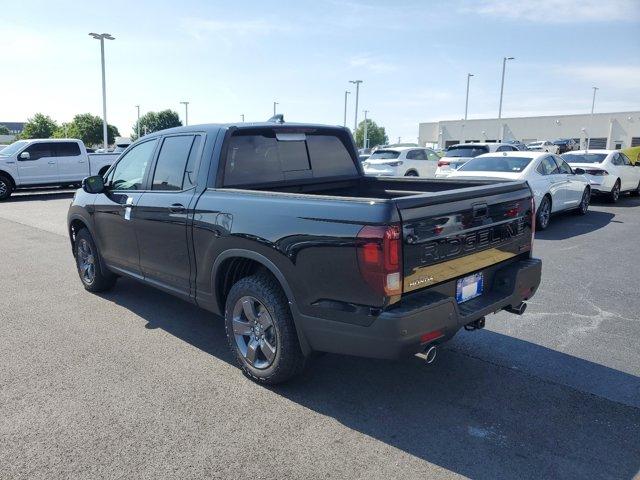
(365, 129)
(346, 92)
(593, 104)
(466, 102)
(102, 37)
(242, 115)
(186, 113)
(274, 108)
(504, 65)
(138, 123)
(355, 120)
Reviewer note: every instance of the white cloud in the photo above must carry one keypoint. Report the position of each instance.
(558, 11)
(372, 63)
(614, 76)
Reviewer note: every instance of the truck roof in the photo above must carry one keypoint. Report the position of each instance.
(214, 127)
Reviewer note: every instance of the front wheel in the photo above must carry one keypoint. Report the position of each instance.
(411, 173)
(5, 188)
(583, 208)
(261, 332)
(92, 275)
(544, 214)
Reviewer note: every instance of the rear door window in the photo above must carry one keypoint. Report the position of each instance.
(66, 149)
(172, 162)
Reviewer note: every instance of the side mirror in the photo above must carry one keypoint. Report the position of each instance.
(25, 156)
(579, 171)
(93, 184)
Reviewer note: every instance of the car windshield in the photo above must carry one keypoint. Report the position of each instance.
(466, 151)
(584, 157)
(496, 164)
(384, 155)
(13, 148)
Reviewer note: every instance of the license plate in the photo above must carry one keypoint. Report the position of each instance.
(469, 287)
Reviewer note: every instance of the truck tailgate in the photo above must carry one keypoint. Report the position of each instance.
(455, 233)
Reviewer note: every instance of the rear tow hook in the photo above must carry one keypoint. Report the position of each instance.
(475, 325)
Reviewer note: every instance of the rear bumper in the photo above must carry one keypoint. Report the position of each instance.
(396, 332)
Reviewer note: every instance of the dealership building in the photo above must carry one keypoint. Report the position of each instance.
(603, 130)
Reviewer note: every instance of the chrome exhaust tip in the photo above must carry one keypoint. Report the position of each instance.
(430, 354)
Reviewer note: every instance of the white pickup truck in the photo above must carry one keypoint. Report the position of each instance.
(48, 162)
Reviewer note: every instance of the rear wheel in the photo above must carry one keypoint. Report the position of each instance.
(93, 276)
(261, 332)
(614, 196)
(583, 208)
(636, 192)
(6, 187)
(544, 214)
(411, 173)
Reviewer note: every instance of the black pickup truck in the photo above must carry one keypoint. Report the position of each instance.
(275, 227)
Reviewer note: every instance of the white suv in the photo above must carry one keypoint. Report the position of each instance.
(402, 162)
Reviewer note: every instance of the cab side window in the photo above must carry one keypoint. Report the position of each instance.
(433, 156)
(128, 173)
(40, 150)
(171, 168)
(547, 166)
(67, 149)
(416, 155)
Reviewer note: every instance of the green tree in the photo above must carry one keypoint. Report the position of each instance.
(39, 126)
(4, 130)
(154, 121)
(375, 134)
(88, 128)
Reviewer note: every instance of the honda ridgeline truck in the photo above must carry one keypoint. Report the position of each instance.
(275, 227)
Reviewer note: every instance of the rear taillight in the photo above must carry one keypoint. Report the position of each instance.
(443, 163)
(380, 258)
(597, 172)
(533, 223)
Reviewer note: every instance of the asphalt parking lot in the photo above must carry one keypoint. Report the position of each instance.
(138, 384)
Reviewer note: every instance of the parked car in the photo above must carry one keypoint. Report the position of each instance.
(609, 172)
(276, 228)
(633, 154)
(543, 146)
(402, 162)
(458, 155)
(556, 187)
(566, 145)
(516, 143)
(48, 162)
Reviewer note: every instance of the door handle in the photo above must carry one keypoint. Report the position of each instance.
(51, 162)
(177, 208)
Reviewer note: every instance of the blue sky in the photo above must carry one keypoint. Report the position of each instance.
(233, 58)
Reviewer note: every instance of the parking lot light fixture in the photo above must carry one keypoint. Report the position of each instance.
(186, 113)
(504, 66)
(355, 120)
(274, 108)
(364, 141)
(102, 37)
(466, 102)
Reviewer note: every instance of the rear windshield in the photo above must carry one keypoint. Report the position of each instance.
(384, 155)
(466, 151)
(496, 164)
(263, 157)
(584, 157)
